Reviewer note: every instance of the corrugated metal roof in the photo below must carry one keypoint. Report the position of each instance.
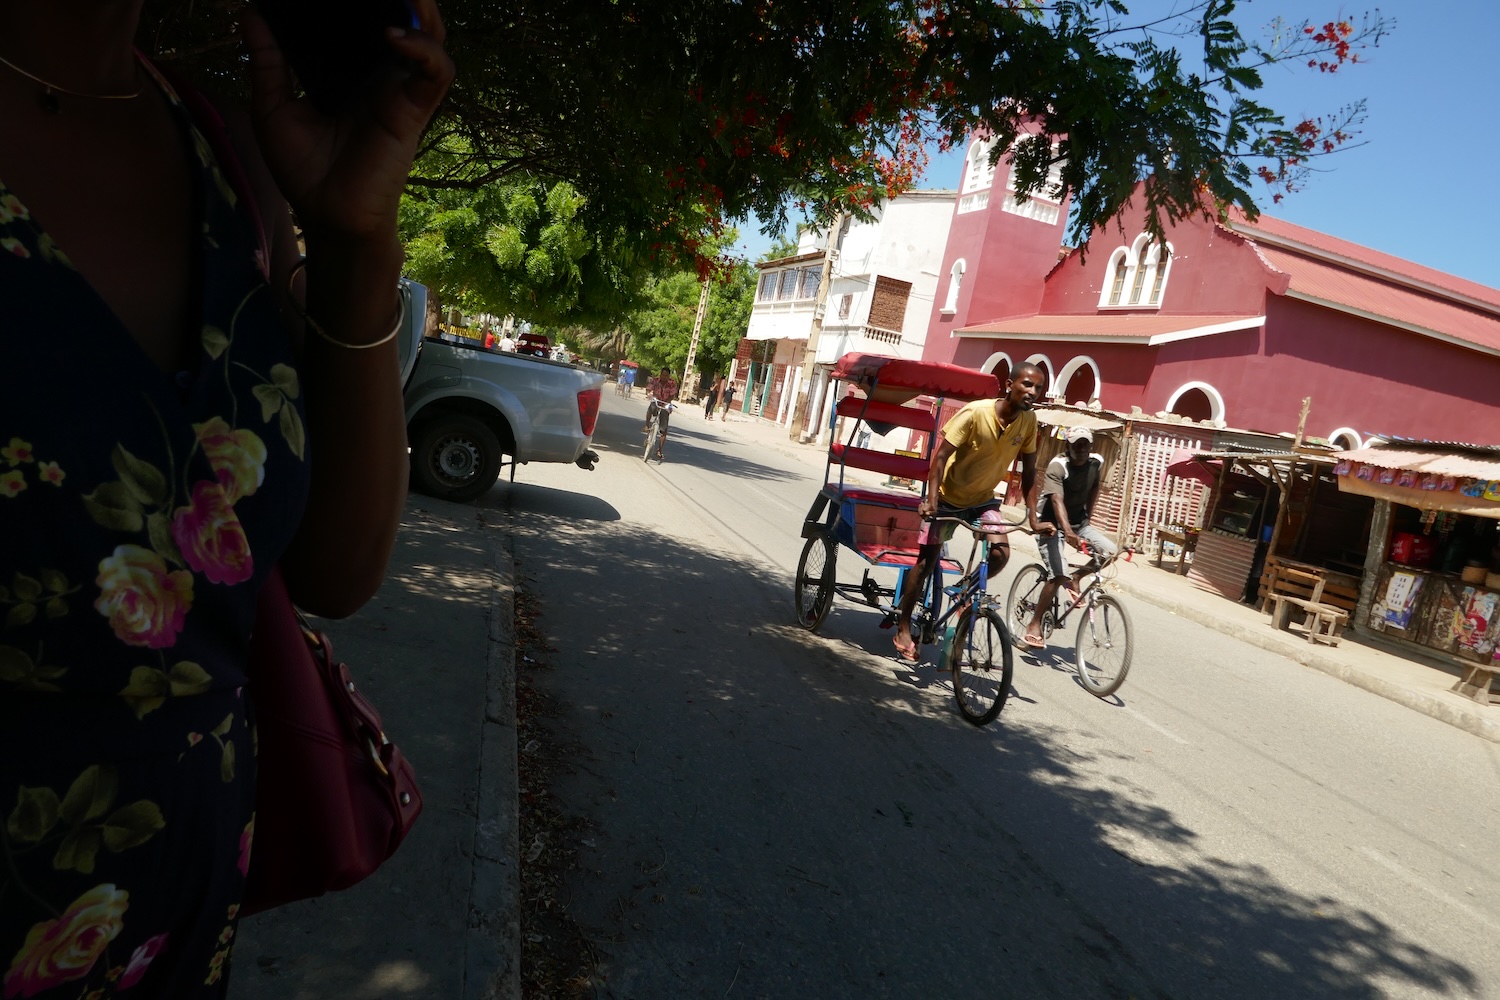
(1126, 326)
(1426, 444)
(1442, 463)
(1330, 282)
(1280, 229)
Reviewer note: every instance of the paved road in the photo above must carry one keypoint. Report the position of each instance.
(776, 814)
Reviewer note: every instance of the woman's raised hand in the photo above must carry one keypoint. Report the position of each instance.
(343, 176)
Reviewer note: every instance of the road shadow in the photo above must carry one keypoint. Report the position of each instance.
(618, 437)
(716, 742)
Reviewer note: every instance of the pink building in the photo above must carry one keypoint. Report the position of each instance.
(1231, 324)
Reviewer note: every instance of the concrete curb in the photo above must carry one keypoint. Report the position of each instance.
(1313, 656)
(492, 949)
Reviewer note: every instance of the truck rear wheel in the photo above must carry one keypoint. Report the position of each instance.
(455, 457)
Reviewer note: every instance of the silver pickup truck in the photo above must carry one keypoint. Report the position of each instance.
(470, 411)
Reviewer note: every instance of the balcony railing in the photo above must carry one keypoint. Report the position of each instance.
(877, 335)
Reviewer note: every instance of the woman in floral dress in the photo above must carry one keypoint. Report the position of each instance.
(170, 431)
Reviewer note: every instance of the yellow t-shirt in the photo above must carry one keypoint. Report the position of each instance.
(985, 452)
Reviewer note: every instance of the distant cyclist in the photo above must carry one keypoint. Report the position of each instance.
(661, 390)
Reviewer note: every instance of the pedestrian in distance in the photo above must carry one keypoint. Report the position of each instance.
(728, 400)
(1070, 489)
(973, 454)
(236, 411)
(712, 399)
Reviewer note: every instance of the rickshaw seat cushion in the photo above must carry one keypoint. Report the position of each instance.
(899, 466)
(878, 497)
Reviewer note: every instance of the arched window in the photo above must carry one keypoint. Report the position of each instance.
(1114, 288)
(999, 363)
(1346, 438)
(1197, 401)
(955, 279)
(1079, 381)
(979, 173)
(1161, 263)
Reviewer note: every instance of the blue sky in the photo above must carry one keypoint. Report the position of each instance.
(1423, 186)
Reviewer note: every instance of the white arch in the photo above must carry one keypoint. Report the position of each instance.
(1215, 400)
(997, 362)
(1045, 363)
(1348, 433)
(955, 279)
(1071, 368)
(978, 173)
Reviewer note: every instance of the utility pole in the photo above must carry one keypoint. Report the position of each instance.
(697, 329)
(815, 331)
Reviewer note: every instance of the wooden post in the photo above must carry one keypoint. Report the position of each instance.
(1302, 421)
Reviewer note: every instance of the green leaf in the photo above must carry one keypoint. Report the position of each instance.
(132, 825)
(113, 506)
(21, 614)
(34, 816)
(141, 479)
(285, 377)
(222, 729)
(147, 690)
(270, 398)
(56, 608)
(215, 341)
(14, 665)
(188, 679)
(27, 589)
(291, 429)
(78, 851)
(159, 530)
(54, 581)
(90, 795)
(226, 764)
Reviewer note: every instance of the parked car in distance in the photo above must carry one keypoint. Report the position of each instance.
(469, 409)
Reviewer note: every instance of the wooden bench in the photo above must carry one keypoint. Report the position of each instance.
(1324, 621)
(1475, 684)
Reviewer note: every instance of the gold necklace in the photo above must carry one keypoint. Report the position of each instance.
(47, 99)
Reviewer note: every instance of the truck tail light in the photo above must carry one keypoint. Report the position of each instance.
(588, 409)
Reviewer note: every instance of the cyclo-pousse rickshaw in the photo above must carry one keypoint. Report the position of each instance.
(880, 525)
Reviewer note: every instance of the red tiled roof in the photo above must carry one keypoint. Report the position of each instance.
(1120, 327)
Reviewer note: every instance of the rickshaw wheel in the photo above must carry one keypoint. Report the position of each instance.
(814, 587)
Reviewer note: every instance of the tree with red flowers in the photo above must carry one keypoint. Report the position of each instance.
(672, 120)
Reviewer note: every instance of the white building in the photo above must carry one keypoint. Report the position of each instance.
(884, 274)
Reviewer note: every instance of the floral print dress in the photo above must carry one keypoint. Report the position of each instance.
(139, 516)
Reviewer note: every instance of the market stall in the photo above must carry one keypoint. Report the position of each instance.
(1433, 568)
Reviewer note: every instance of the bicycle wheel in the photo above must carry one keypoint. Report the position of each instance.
(651, 435)
(1020, 606)
(1104, 647)
(980, 658)
(814, 587)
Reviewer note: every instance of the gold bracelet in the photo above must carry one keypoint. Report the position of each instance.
(313, 325)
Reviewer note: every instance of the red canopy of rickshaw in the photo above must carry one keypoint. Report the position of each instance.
(930, 377)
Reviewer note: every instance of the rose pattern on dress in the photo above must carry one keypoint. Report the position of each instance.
(144, 601)
(210, 536)
(62, 950)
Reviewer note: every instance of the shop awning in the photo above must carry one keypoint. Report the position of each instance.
(1186, 465)
(1068, 416)
(1458, 479)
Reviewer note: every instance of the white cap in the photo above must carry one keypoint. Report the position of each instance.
(1079, 434)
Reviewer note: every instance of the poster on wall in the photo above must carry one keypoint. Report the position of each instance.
(1394, 608)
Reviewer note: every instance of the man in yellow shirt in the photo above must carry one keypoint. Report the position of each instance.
(973, 454)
